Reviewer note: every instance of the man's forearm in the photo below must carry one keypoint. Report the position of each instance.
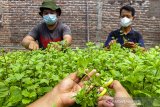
(27, 40)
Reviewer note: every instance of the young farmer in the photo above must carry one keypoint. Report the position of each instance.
(126, 35)
(50, 30)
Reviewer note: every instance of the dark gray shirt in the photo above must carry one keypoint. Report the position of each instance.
(43, 35)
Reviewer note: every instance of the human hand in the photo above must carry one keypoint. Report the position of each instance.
(68, 88)
(33, 45)
(62, 95)
(106, 101)
(59, 46)
(112, 42)
(121, 98)
(129, 45)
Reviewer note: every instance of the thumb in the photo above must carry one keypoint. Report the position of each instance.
(121, 98)
(116, 86)
(120, 91)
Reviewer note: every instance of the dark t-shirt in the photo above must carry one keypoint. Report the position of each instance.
(43, 35)
(132, 36)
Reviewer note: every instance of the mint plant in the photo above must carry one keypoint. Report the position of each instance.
(27, 75)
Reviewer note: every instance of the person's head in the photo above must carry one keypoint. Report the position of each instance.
(50, 11)
(127, 15)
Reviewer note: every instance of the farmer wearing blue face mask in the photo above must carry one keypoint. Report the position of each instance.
(50, 30)
(126, 35)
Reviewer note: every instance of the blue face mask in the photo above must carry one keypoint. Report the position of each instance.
(50, 19)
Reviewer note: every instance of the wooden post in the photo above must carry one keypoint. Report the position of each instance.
(99, 21)
(1, 11)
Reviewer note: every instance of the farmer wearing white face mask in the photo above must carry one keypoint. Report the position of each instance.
(126, 35)
(50, 30)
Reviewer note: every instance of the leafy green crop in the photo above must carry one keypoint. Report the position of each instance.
(27, 75)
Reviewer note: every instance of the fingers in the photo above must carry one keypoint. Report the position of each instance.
(106, 101)
(102, 91)
(120, 91)
(67, 99)
(129, 44)
(87, 77)
(33, 45)
(112, 42)
(132, 44)
(116, 85)
(105, 97)
(37, 47)
(121, 98)
(79, 81)
(74, 77)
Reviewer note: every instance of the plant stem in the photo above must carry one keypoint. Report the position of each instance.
(144, 79)
(153, 80)
(5, 64)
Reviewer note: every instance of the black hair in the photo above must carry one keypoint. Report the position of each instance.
(128, 8)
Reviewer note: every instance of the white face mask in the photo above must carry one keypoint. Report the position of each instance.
(125, 22)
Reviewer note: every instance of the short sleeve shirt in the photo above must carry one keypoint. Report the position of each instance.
(132, 36)
(43, 35)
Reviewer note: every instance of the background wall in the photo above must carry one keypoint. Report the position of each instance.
(90, 20)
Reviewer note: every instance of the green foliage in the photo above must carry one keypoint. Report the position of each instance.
(27, 75)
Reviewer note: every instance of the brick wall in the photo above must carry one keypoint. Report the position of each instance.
(17, 17)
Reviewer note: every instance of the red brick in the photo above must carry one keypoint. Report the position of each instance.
(20, 16)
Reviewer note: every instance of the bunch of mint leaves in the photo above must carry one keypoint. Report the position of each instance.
(25, 76)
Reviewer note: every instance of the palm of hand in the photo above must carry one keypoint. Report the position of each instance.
(68, 89)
